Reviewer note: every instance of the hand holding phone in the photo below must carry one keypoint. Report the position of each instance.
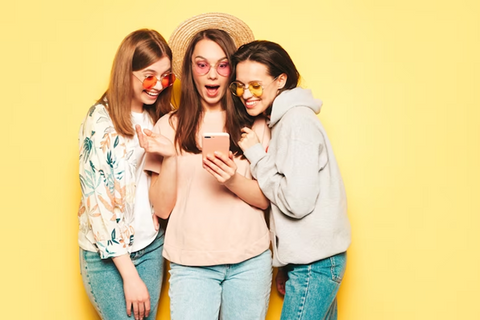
(222, 168)
(215, 141)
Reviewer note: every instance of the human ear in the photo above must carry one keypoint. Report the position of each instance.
(281, 81)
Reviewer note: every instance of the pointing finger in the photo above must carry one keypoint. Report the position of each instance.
(148, 132)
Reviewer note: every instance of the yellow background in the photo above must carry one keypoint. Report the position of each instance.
(400, 84)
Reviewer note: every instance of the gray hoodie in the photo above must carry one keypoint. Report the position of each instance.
(301, 178)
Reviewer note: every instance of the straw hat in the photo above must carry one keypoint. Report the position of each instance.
(181, 37)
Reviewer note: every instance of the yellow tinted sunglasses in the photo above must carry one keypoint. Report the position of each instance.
(255, 87)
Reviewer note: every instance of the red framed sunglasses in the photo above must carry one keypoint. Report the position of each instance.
(166, 80)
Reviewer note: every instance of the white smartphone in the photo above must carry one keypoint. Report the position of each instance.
(215, 141)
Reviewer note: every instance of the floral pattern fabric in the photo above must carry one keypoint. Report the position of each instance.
(107, 179)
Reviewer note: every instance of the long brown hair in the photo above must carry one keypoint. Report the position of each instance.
(137, 51)
(190, 112)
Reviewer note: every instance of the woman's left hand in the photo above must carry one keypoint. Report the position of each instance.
(280, 280)
(154, 143)
(249, 139)
(156, 222)
(220, 166)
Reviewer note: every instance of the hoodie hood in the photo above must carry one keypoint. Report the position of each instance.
(297, 97)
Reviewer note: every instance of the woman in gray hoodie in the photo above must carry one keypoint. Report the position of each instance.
(300, 176)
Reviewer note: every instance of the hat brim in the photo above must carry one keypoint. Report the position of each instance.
(181, 37)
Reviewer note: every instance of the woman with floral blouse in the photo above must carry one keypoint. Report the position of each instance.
(120, 238)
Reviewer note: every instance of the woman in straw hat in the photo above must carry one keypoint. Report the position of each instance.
(300, 176)
(120, 238)
(217, 240)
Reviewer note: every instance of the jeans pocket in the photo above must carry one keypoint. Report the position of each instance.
(338, 265)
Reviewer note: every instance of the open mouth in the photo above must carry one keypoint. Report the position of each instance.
(212, 90)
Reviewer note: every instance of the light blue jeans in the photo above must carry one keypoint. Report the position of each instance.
(234, 291)
(311, 289)
(104, 285)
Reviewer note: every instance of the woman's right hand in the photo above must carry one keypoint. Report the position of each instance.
(135, 290)
(221, 166)
(136, 297)
(155, 143)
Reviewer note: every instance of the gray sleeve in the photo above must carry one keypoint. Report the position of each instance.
(290, 177)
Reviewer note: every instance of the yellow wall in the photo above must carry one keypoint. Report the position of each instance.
(400, 84)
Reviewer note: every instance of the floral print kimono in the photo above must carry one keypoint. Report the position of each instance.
(107, 179)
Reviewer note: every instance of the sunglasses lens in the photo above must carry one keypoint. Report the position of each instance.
(255, 88)
(201, 68)
(149, 82)
(223, 69)
(236, 89)
(168, 80)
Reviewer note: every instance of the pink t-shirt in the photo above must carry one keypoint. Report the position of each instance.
(209, 224)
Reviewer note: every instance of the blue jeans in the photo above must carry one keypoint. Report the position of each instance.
(104, 284)
(233, 291)
(311, 289)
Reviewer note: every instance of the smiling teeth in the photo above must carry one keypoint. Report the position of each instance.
(152, 93)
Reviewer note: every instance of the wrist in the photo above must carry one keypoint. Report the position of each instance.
(170, 158)
(125, 267)
(230, 182)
